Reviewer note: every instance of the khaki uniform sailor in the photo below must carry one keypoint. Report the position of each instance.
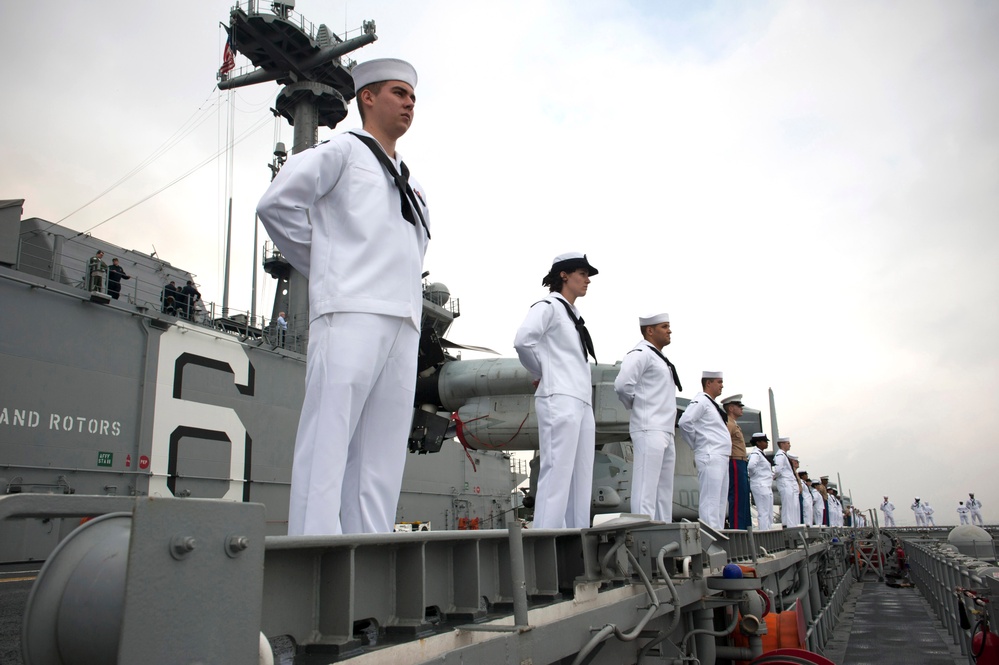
(739, 516)
(703, 424)
(787, 484)
(761, 478)
(358, 234)
(888, 508)
(553, 345)
(647, 384)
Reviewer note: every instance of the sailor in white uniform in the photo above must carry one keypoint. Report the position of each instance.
(787, 484)
(818, 506)
(888, 508)
(553, 345)
(928, 513)
(647, 384)
(807, 501)
(975, 506)
(761, 478)
(962, 512)
(917, 509)
(835, 508)
(358, 234)
(704, 426)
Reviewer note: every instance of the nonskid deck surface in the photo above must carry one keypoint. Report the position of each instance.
(882, 625)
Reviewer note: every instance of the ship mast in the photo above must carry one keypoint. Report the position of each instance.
(285, 47)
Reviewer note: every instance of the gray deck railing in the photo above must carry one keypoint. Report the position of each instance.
(938, 570)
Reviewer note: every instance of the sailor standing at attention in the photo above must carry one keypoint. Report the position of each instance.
(357, 230)
(647, 384)
(888, 508)
(975, 506)
(703, 424)
(761, 478)
(928, 513)
(962, 512)
(786, 484)
(739, 516)
(554, 345)
(806, 498)
(917, 508)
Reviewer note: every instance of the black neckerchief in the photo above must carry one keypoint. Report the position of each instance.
(721, 411)
(406, 195)
(672, 367)
(585, 341)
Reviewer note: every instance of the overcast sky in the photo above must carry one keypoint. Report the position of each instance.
(811, 190)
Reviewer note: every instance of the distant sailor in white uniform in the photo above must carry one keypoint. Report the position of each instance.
(835, 508)
(928, 513)
(647, 384)
(917, 509)
(975, 506)
(704, 426)
(358, 233)
(761, 478)
(554, 345)
(818, 506)
(962, 512)
(806, 498)
(888, 508)
(787, 484)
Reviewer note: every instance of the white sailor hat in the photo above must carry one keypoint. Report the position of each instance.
(653, 319)
(783, 439)
(711, 375)
(733, 399)
(382, 69)
(572, 261)
(759, 436)
(792, 456)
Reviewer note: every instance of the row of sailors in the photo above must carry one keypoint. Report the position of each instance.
(923, 511)
(802, 501)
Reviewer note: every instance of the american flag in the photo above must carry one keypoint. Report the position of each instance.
(228, 57)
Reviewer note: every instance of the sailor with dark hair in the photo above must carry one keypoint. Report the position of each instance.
(97, 272)
(647, 384)
(170, 295)
(703, 424)
(962, 512)
(917, 509)
(191, 296)
(554, 345)
(350, 218)
(115, 274)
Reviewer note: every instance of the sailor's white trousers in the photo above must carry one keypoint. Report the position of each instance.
(712, 481)
(652, 474)
(790, 510)
(763, 495)
(350, 451)
(566, 436)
